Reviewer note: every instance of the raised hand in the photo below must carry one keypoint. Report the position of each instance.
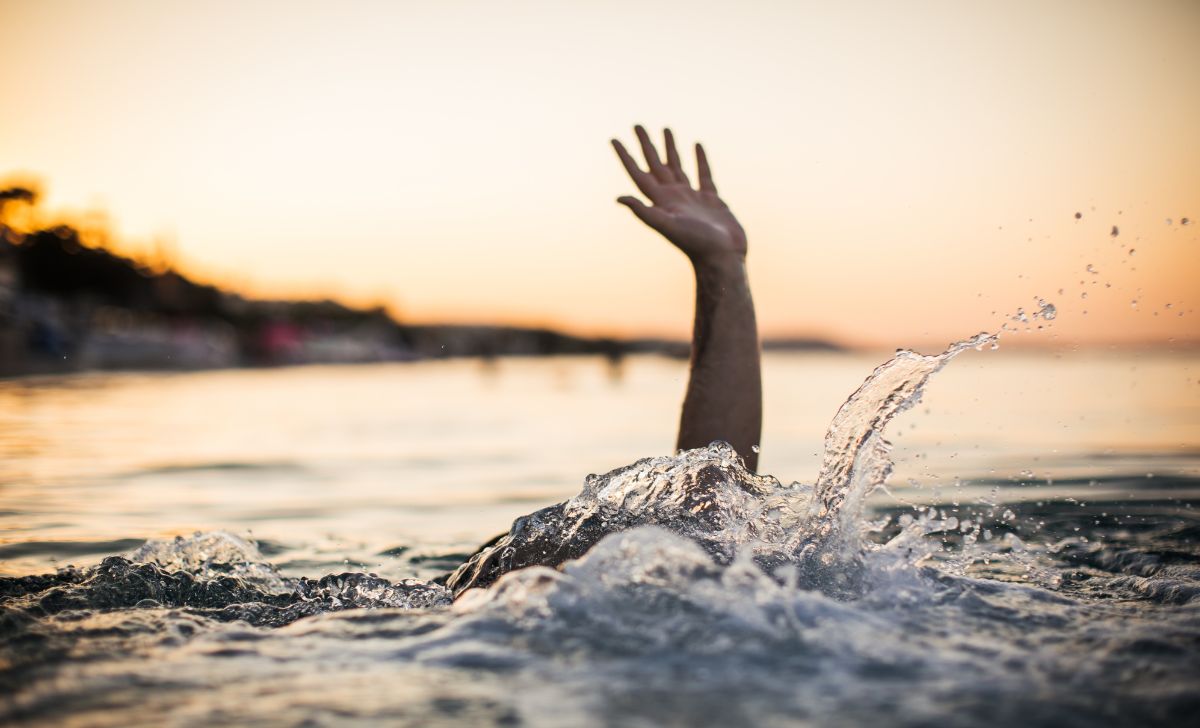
(695, 220)
(724, 393)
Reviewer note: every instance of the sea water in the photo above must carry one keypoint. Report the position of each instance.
(1012, 539)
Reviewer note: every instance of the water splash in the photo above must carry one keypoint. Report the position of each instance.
(217, 575)
(213, 554)
(1046, 310)
(708, 496)
(857, 458)
(705, 494)
(718, 615)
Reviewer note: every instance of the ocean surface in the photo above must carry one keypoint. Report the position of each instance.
(270, 547)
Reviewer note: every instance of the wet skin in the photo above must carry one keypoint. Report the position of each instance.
(724, 393)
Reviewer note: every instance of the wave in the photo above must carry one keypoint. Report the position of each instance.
(679, 590)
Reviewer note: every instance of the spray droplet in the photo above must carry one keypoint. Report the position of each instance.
(1079, 216)
(1083, 295)
(1115, 232)
(755, 449)
(1092, 269)
(1184, 221)
(1132, 251)
(1046, 310)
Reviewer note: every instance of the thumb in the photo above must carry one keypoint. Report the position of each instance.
(649, 215)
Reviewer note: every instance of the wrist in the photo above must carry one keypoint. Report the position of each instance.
(727, 273)
(720, 264)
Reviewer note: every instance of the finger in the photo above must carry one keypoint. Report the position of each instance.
(673, 162)
(652, 216)
(703, 171)
(644, 181)
(656, 166)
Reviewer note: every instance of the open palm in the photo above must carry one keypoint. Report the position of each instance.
(694, 219)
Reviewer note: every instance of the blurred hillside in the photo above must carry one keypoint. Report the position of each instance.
(66, 305)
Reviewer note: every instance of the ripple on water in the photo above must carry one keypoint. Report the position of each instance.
(679, 590)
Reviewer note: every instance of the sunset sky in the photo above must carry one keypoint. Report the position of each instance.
(907, 173)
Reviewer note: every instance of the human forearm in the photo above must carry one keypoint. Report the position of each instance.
(724, 395)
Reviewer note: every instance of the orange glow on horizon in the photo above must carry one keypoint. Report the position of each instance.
(907, 176)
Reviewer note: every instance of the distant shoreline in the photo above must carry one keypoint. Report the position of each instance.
(673, 350)
(66, 306)
(69, 307)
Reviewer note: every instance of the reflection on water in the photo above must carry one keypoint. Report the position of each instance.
(1054, 579)
(335, 465)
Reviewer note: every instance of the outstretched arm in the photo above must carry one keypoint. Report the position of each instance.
(724, 394)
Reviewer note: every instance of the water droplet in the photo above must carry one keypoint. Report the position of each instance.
(1132, 251)
(1083, 295)
(755, 449)
(1184, 221)
(1048, 311)
(1079, 216)
(1092, 269)
(1115, 232)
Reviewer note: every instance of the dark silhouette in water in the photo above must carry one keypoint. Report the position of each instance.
(724, 393)
(66, 304)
